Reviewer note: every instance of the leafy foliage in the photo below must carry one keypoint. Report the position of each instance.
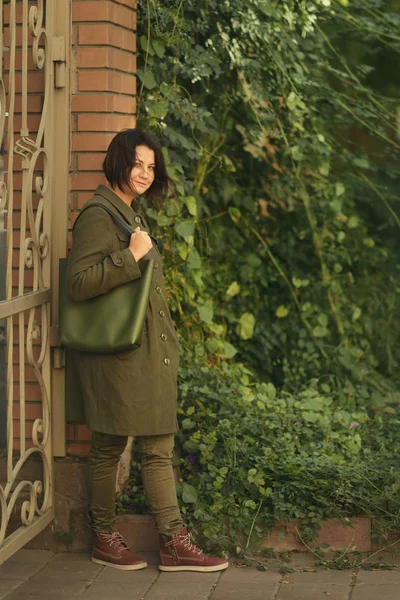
(281, 254)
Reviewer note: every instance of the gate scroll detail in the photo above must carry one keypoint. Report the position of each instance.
(26, 136)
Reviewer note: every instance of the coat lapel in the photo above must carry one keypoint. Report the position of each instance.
(127, 212)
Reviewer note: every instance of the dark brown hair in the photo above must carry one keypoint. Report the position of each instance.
(121, 157)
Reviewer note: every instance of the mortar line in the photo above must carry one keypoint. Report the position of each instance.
(90, 583)
(29, 578)
(352, 583)
(212, 590)
(151, 585)
(279, 589)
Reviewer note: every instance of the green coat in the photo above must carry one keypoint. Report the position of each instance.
(133, 392)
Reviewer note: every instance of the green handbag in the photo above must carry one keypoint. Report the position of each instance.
(112, 322)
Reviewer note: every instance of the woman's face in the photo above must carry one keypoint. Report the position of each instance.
(143, 171)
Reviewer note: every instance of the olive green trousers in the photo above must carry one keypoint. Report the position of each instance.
(156, 452)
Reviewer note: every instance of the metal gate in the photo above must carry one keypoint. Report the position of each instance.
(34, 138)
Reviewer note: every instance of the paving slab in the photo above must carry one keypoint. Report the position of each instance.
(141, 576)
(322, 576)
(61, 570)
(376, 592)
(179, 591)
(238, 574)
(110, 590)
(52, 595)
(379, 577)
(23, 565)
(313, 591)
(42, 575)
(6, 586)
(31, 556)
(238, 583)
(188, 577)
(45, 588)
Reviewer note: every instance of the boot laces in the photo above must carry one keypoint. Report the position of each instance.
(115, 541)
(186, 543)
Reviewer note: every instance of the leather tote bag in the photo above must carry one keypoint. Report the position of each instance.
(112, 322)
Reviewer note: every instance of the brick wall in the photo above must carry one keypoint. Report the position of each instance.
(103, 103)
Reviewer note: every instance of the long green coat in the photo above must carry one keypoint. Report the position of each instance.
(133, 392)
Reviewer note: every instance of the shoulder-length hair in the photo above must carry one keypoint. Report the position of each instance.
(121, 157)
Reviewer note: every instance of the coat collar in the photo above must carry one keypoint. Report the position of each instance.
(127, 212)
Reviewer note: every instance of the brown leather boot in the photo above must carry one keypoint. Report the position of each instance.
(110, 549)
(177, 553)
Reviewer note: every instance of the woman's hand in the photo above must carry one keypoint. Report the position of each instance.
(140, 244)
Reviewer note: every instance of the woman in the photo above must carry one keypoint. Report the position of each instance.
(134, 392)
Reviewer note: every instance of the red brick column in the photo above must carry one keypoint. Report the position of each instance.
(103, 103)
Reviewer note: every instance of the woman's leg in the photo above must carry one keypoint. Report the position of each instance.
(156, 452)
(109, 547)
(105, 451)
(177, 552)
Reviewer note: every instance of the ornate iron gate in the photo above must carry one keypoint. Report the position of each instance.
(34, 113)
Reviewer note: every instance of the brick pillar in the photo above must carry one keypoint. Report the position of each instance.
(103, 103)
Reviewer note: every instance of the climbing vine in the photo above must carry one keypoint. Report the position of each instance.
(281, 254)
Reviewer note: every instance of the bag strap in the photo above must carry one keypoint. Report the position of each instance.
(122, 224)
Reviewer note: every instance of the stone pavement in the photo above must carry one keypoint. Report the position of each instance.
(42, 575)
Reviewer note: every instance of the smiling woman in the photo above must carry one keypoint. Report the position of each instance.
(135, 165)
(132, 393)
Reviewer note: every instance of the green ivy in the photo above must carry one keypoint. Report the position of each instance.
(281, 254)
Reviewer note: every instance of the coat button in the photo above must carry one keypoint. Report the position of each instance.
(138, 219)
(156, 265)
(163, 337)
(158, 290)
(161, 313)
(167, 361)
(118, 261)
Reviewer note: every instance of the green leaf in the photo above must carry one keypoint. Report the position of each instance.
(271, 391)
(320, 331)
(341, 236)
(283, 570)
(297, 153)
(188, 424)
(352, 222)
(191, 205)
(233, 289)
(206, 311)
(310, 417)
(194, 259)
(363, 163)
(149, 80)
(185, 229)
(246, 326)
(144, 43)
(291, 101)
(282, 312)
(159, 48)
(163, 220)
(189, 494)
(369, 242)
(173, 207)
(323, 320)
(234, 213)
(340, 189)
(296, 282)
(212, 345)
(229, 350)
